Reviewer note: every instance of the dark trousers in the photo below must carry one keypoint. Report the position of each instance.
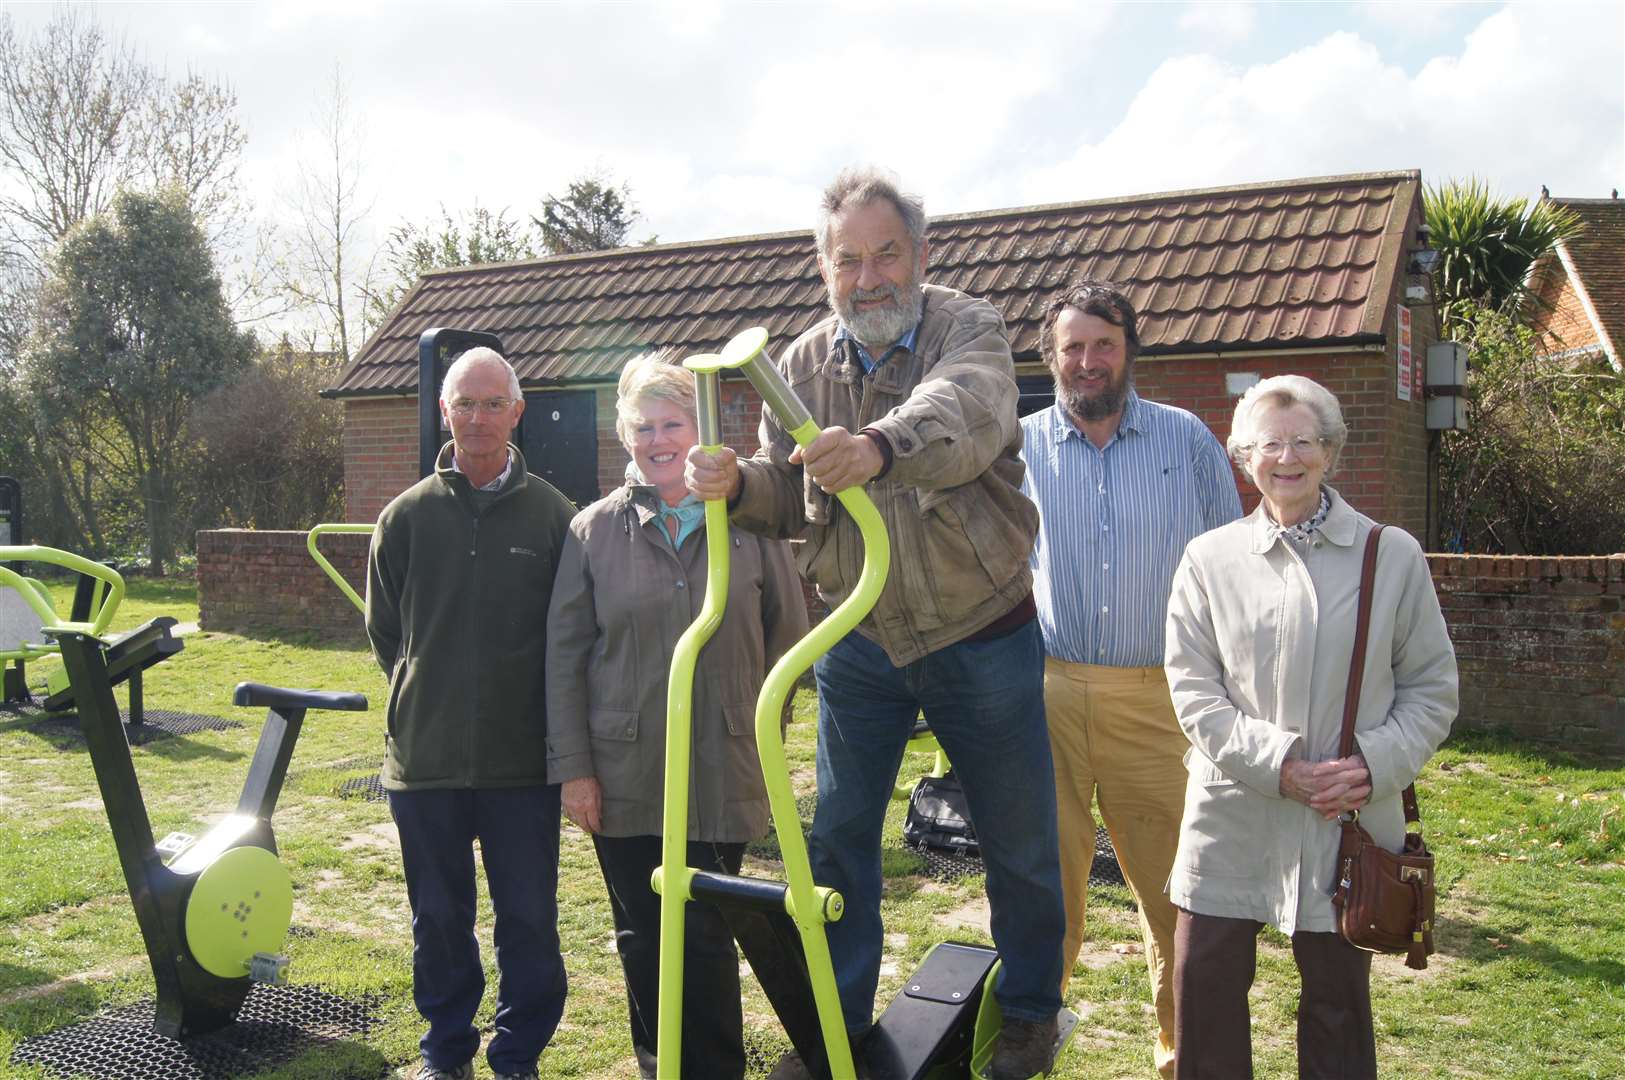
(713, 1024)
(1214, 963)
(518, 832)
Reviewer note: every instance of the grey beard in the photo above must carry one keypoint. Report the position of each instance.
(880, 327)
(1100, 407)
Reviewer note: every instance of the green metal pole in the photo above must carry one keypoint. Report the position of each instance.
(317, 531)
(671, 879)
(810, 905)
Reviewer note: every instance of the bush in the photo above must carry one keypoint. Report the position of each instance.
(270, 452)
(1538, 470)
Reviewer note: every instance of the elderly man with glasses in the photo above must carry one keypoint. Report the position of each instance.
(458, 584)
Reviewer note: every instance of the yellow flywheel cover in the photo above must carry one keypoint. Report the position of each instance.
(242, 904)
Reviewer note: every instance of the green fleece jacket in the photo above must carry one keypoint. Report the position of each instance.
(457, 598)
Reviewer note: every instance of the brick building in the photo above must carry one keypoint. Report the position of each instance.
(1307, 276)
(1581, 286)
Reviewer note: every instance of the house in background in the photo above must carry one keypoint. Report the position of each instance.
(1581, 286)
(1232, 284)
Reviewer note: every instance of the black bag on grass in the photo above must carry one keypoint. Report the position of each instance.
(939, 818)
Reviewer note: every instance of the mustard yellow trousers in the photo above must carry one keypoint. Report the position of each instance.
(1115, 739)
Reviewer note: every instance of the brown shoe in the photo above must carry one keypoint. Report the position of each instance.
(1024, 1049)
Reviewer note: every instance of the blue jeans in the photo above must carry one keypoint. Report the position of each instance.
(984, 701)
(518, 831)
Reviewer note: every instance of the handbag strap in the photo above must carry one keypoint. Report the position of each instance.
(1362, 628)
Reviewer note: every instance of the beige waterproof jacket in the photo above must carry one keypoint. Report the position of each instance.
(1258, 648)
(961, 530)
(622, 598)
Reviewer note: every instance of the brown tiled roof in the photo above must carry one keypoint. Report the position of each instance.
(1296, 263)
(1597, 257)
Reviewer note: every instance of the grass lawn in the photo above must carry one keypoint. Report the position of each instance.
(1529, 980)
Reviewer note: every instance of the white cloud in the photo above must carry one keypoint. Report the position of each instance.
(1526, 98)
(1218, 22)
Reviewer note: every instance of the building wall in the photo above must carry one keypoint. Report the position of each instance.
(1383, 471)
(1559, 315)
(380, 453)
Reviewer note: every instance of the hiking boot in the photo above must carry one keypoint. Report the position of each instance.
(426, 1071)
(1024, 1049)
(527, 1074)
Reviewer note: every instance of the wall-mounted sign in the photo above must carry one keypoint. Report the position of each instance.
(1403, 383)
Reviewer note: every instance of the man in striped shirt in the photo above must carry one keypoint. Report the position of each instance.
(1122, 484)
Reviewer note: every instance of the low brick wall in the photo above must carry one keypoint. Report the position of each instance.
(256, 580)
(1541, 642)
(1541, 646)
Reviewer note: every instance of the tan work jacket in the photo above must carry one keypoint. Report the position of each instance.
(1259, 639)
(621, 600)
(961, 530)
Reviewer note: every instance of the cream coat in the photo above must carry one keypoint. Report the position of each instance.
(1259, 640)
(621, 600)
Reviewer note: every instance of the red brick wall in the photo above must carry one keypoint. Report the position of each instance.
(380, 453)
(1558, 314)
(265, 579)
(1383, 470)
(1541, 646)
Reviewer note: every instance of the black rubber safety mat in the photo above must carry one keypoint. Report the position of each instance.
(367, 788)
(764, 1046)
(276, 1024)
(951, 865)
(156, 724)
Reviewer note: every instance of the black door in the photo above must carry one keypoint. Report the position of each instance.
(560, 441)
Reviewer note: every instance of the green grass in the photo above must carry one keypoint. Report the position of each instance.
(1529, 980)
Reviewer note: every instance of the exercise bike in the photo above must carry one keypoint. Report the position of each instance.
(214, 911)
(944, 1023)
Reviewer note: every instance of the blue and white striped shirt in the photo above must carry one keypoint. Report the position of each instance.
(1114, 524)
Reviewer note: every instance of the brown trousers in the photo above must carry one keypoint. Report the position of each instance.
(1214, 962)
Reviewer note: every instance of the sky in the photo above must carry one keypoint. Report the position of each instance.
(726, 118)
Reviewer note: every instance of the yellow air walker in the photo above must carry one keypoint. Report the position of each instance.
(944, 1023)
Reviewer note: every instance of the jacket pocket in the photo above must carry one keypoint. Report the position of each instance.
(613, 725)
(1223, 834)
(740, 718)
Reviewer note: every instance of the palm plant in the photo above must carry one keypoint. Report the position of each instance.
(1487, 246)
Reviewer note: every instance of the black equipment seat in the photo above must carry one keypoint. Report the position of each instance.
(278, 697)
(127, 656)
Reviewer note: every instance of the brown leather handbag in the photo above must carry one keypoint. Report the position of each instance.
(1384, 901)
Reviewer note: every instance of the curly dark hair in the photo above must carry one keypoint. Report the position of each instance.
(1092, 297)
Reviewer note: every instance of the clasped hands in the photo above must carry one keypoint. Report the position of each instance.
(836, 460)
(1330, 788)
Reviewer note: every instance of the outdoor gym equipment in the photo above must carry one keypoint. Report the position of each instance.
(944, 1023)
(319, 531)
(28, 615)
(215, 916)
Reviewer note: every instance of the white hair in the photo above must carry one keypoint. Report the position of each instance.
(479, 356)
(1283, 392)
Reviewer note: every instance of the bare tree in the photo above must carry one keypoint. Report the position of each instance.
(325, 275)
(66, 101)
(81, 116)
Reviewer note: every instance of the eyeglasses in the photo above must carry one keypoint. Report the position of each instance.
(846, 263)
(466, 407)
(1303, 446)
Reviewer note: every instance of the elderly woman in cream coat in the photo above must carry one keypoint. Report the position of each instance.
(1260, 636)
(632, 577)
